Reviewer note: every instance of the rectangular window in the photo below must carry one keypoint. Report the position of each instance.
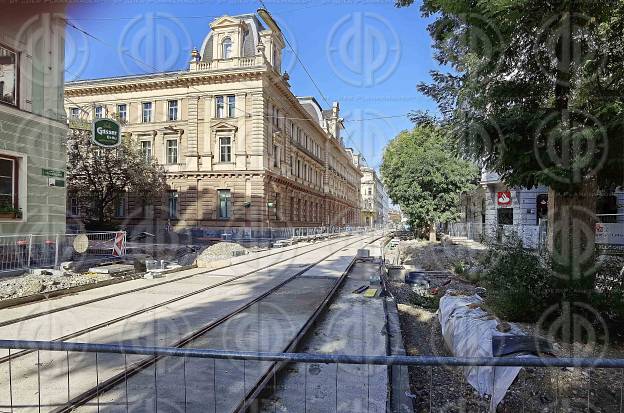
(146, 148)
(120, 206)
(277, 206)
(172, 110)
(172, 151)
(9, 74)
(122, 112)
(292, 208)
(292, 130)
(505, 216)
(172, 204)
(276, 156)
(74, 113)
(225, 149)
(231, 104)
(8, 182)
(147, 112)
(74, 207)
(148, 210)
(99, 112)
(292, 165)
(225, 203)
(220, 107)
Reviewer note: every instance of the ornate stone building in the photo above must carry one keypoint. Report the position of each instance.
(374, 200)
(239, 148)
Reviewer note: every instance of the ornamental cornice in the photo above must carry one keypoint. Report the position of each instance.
(121, 85)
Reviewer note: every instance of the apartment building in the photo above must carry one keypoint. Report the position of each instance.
(32, 119)
(374, 199)
(238, 146)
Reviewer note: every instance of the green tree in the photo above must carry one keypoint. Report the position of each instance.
(425, 177)
(533, 89)
(97, 176)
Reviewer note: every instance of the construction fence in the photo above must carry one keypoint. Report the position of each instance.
(25, 251)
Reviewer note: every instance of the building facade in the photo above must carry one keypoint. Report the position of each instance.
(32, 119)
(239, 148)
(374, 201)
(494, 204)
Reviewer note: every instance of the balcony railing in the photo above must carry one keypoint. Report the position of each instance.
(236, 62)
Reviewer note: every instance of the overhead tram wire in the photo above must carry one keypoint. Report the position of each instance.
(156, 70)
(309, 74)
(207, 16)
(137, 60)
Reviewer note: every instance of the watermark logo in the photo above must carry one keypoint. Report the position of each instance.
(363, 49)
(568, 47)
(40, 31)
(571, 146)
(153, 42)
(579, 326)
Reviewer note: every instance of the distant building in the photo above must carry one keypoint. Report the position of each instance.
(239, 148)
(32, 118)
(374, 201)
(395, 217)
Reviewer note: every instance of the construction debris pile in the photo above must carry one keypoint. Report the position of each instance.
(44, 282)
(221, 251)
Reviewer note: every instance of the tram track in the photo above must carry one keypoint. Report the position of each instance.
(124, 317)
(136, 368)
(174, 280)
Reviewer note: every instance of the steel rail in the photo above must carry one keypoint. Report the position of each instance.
(259, 386)
(554, 362)
(164, 303)
(141, 365)
(93, 300)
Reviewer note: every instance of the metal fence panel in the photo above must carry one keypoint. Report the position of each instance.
(22, 252)
(165, 377)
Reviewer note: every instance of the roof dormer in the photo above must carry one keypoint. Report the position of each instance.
(231, 37)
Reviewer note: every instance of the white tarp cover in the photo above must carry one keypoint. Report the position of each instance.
(468, 332)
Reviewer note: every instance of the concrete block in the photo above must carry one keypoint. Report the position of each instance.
(113, 269)
(363, 253)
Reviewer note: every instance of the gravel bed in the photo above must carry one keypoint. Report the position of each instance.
(434, 256)
(29, 284)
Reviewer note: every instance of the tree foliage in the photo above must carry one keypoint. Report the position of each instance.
(424, 176)
(533, 89)
(97, 176)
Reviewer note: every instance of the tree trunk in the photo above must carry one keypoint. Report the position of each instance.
(432, 233)
(571, 230)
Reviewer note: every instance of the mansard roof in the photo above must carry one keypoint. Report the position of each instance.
(250, 40)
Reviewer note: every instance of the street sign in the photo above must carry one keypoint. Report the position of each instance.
(106, 133)
(56, 182)
(52, 173)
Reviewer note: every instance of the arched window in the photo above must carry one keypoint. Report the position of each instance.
(227, 48)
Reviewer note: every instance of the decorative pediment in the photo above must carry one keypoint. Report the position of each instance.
(224, 127)
(225, 21)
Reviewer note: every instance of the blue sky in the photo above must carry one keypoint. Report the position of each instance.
(367, 54)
